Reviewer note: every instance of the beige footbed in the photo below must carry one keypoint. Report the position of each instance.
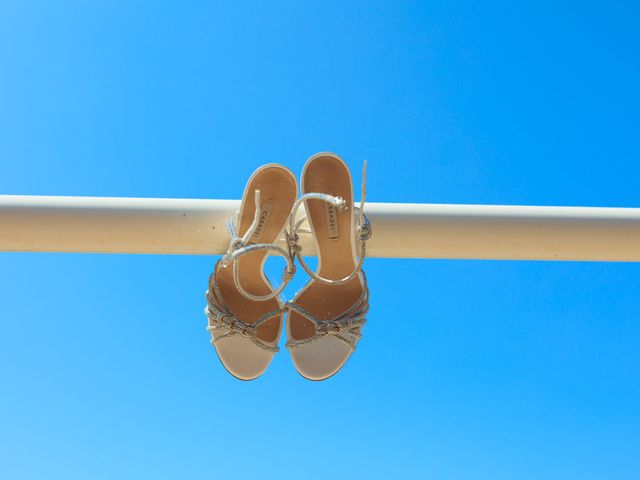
(278, 191)
(326, 173)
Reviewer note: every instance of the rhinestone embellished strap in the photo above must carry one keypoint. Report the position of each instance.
(346, 327)
(223, 324)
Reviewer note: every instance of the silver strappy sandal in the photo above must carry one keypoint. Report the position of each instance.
(244, 312)
(326, 317)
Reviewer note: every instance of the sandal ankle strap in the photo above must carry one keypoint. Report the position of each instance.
(363, 229)
(240, 246)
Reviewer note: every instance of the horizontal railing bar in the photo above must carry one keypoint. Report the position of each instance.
(189, 226)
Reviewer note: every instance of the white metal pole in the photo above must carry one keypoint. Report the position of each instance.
(178, 226)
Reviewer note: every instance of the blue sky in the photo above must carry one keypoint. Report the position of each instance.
(468, 369)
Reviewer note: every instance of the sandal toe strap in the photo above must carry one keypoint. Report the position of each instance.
(223, 324)
(346, 327)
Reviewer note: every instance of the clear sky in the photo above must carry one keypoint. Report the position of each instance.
(468, 369)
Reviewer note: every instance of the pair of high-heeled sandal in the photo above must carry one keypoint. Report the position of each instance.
(325, 319)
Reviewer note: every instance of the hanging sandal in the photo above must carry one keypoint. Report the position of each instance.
(243, 309)
(326, 317)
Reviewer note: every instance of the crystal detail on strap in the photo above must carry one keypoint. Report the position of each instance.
(346, 327)
(223, 324)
